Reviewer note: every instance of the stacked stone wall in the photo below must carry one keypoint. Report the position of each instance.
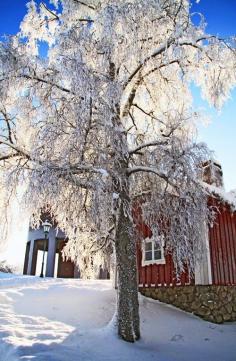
(212, 303)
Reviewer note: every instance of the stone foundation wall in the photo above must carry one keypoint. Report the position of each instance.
(212, 303)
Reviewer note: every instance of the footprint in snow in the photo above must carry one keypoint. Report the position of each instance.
(177, 338)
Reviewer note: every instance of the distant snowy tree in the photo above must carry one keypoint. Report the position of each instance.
(5, 267)
(106, 117)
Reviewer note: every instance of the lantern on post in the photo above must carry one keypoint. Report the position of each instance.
(46, 228)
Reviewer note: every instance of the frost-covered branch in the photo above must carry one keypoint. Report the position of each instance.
(139, 169)
(155, 143)
(157, 52)
(18, 149)
(54, 15)
(85, 4)
(8, 123)
(160, 50)
(8, 156)
(48, 82)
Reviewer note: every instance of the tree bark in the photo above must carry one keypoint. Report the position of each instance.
(125, 247)
(127, 300)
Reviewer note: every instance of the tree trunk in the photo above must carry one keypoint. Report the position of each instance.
(127, 300)
(128, 307)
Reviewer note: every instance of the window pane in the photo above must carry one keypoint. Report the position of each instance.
(148, 256)
(148, 246)
(156, 246)
(157, 254)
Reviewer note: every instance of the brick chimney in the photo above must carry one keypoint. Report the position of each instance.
(212, 173)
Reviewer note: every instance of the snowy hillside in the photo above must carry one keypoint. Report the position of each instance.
(69, 320)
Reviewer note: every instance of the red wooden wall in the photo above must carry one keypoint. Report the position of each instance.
(155, 274)
(160, 274)
(222, 242)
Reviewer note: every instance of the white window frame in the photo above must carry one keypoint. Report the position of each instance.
(153, 261)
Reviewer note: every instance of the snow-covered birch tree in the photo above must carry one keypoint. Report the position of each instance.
(104, 120)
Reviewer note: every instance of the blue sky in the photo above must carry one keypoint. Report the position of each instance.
(220, 134)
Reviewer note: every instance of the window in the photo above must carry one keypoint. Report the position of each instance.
(153, 253)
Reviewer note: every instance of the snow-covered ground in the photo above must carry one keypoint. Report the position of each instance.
(68, 320)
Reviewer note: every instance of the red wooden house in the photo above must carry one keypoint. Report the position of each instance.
(218, 264)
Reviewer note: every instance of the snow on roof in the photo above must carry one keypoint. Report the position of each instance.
(225, 197)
